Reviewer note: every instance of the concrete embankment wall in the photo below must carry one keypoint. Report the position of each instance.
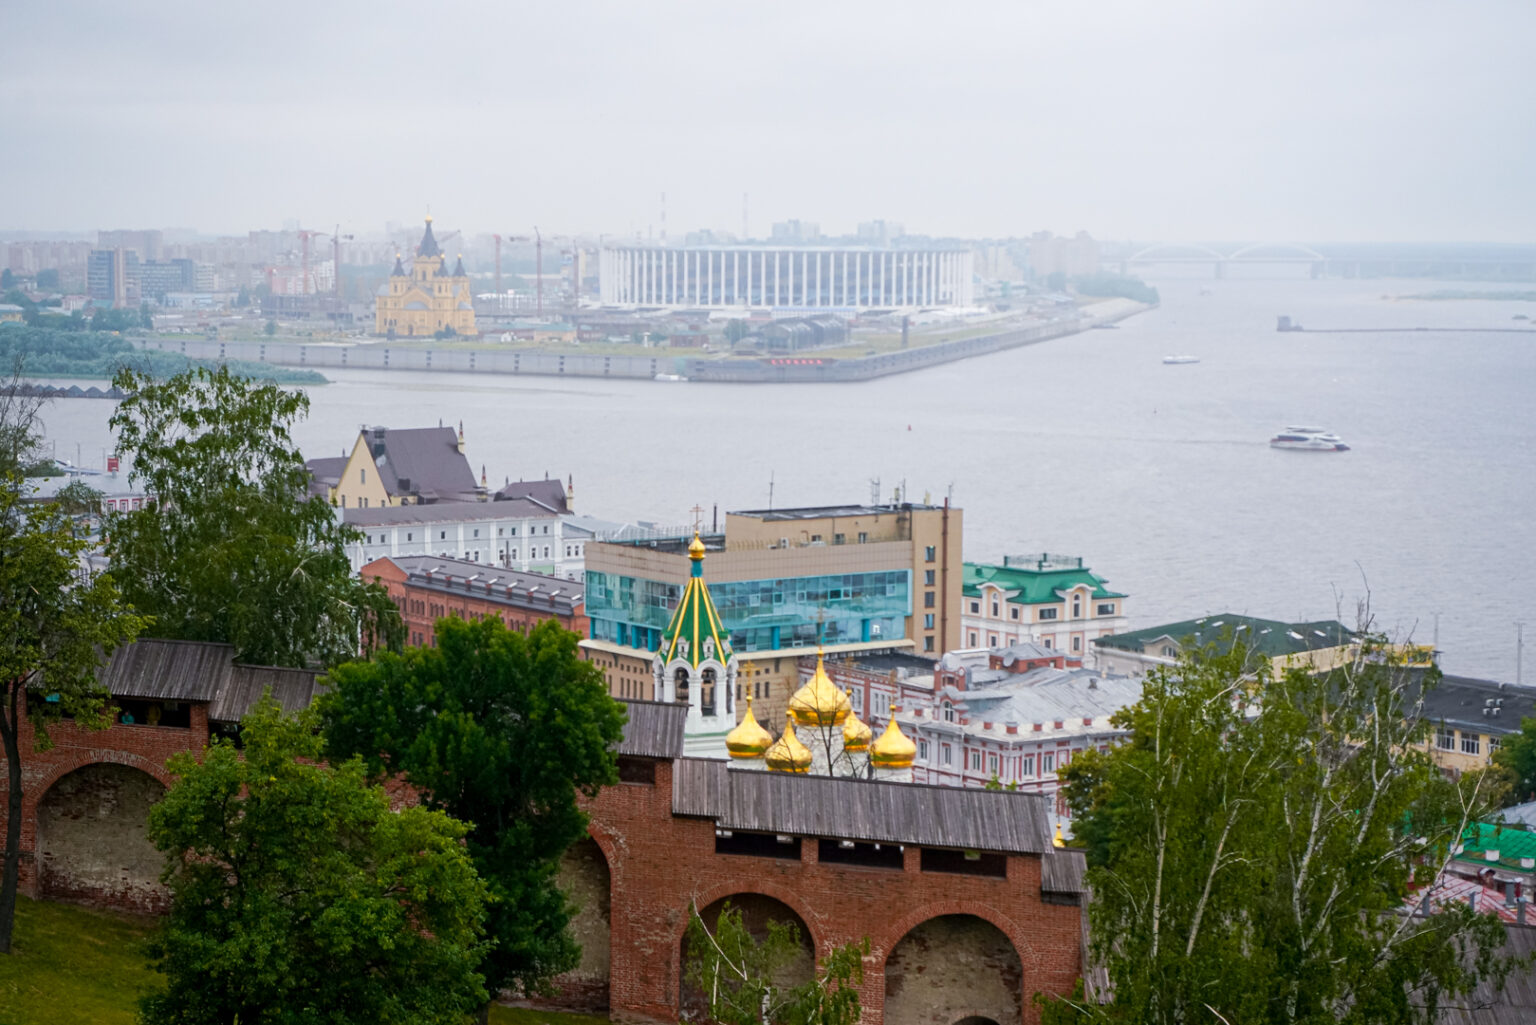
(385, 356)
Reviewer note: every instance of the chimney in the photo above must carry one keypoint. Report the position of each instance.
(1013, 727)
(461, 437)
(1509, 893)
(570, 492)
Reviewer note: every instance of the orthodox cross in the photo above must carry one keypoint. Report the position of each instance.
(698, 517)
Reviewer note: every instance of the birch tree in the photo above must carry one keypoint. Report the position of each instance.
(1256, 843)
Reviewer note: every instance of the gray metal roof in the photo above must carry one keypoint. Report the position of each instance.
(167, 670)
(654, 729)
(294, 689)
(549, 494)
(848, 809)
(421, 460)
(1516, 1005)
(446, 512)
(537, 591)
(1063, 872)
(1465, 701)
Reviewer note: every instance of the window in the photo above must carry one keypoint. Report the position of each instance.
(1471, 744)
(362, 476)
(949, 712)
(409, 536)
(1445, 739)
(442, 535)
(546, 528)
(922, 750)
(838, 539)
(1048, 613)
(975, 761)
(929, 553)
(992, 764)
(1046, 642)
(1106, 608)
(975, 608)
(863, 536)
(927, 599)
(815, 539)
(1048, 763)
(928, 575)
(995, 612)
(944, 754)
(1013, 613)
(1029, 765)
(1169, 651)
(1493, 744)
(1077, 606)
(1077, 644)
(928, 643)
(928, 621)
(991, 640)
(972, 641)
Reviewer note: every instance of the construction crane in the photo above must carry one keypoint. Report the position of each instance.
(304, 236)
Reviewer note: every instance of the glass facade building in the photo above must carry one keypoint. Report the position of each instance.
(761, 615)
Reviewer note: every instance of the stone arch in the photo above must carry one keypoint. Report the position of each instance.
(957, 967)
(66, 762)
(757, 909)
(93, 837)
(586, 880)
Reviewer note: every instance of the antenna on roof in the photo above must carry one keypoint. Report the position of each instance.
(874, 491)
(770, 490)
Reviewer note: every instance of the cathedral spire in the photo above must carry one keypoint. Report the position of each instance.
(429, 246)
(458, 268)
(695, 633)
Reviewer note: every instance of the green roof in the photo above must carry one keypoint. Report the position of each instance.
(1511, 843)
(1029, 584)
(1265, 636)
(695, 633)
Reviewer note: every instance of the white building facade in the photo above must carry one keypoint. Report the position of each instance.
(514, 535)
(786, 278)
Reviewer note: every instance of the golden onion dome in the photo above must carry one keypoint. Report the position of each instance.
(787, 753)
(819, 702)
(856, 734)
(748, 739)
(893, 750)
(696, 548)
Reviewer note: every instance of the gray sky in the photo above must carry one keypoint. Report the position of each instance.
(1318, 120)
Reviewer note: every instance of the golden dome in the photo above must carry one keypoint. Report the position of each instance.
(748, 739)
(856, 734)
(787, 753)
(893, 750)
(696, 548)
(820, 703)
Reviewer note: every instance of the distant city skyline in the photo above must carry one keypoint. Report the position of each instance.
(1183, 120)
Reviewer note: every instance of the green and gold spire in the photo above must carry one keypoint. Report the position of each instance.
(695, 633)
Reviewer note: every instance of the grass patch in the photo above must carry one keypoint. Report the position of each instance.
(74, 964)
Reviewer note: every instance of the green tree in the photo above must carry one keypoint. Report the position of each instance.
(1516, 757)
(7, 279)
(55, 622)
(48, 279)
(740, 974)
(233, 548)
(299, 897)
(737, 329)
(1254, 842)
(243, 297)
(503, 731)
(270, 328)
(146, 317)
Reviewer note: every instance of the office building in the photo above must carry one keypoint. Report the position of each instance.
(112, 277)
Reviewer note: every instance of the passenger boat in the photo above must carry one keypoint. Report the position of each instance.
(1181, 359)
(1308, 439)
(670, 377)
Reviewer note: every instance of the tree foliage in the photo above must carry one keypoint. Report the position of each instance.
(503, 731)
(1254, 843)
(233, 548)
(738, 974)
(1516, 757)
(300, 898)
(57, 625)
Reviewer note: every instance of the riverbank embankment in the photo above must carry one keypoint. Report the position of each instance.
(804, 367)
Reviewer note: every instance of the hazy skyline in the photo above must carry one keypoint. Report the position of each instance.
(1311, 120)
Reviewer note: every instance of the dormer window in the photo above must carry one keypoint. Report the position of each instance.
(949, 712)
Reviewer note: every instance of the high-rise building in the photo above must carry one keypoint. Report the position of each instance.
(145, 242)
(112, 277)
(158, 277)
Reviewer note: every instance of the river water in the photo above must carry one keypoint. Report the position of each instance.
(1159, 476)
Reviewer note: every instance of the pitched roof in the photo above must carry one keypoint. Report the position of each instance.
(695, 632)
(853, 809)
(422, 461)
(458, 268)
(157, 669)
(548, 493)
(1029, 585)
(428, 246)
(518, 589)
(1265, 636)
(459, 512)
(654, 729)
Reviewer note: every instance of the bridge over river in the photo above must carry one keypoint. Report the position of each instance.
(1338, 261)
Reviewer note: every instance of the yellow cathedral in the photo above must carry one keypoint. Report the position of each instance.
(426, 299)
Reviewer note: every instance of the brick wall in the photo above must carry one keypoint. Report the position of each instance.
(659, 863)
(140, 748)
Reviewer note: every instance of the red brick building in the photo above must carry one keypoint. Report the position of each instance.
(430, 587)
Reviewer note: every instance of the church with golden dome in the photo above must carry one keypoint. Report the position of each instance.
(428, 299)
(695, 665)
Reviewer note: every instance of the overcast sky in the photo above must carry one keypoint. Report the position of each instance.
(1316, 120)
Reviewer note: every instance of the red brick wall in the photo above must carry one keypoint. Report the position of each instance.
(422, 607)
(139, 747)
(659, 863)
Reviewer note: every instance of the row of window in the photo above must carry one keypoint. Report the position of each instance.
(1023, 766)
(1045, 642)
(1044, 614)
(1471, 743)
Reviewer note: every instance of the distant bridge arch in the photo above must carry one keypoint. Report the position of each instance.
(1301, 251)
(1175, 251)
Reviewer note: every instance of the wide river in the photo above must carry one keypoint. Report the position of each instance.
(1160, 476)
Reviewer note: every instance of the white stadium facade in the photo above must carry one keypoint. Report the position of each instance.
(786, 278)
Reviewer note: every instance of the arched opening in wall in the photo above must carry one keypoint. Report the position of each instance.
(92, 839)
(584, 879)
(954, 968)
(680, 685)
(757, 911)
